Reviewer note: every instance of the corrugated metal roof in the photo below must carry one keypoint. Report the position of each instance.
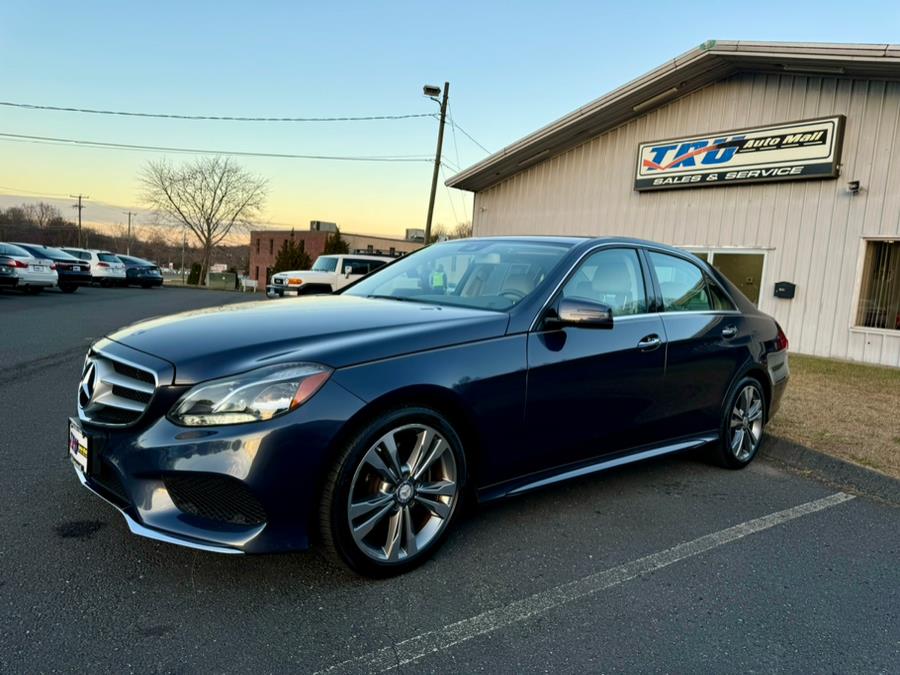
(711, 61)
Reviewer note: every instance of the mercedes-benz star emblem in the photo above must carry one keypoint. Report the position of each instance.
(87, 384)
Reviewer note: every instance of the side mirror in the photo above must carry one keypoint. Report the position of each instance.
(347, 270)
(582, 314)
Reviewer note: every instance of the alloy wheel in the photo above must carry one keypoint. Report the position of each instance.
(403, 493)
(746, 423)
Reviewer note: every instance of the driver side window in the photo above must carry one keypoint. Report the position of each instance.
(611, 277)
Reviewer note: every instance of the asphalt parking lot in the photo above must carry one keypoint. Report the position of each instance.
(670, 565)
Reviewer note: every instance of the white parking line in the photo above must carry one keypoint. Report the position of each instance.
(420, 646)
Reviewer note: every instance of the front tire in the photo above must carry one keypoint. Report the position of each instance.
(393, 493)
(743, 419)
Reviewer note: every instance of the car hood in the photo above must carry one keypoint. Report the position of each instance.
(336, 331)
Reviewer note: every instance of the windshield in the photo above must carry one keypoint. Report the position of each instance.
(325, 264)
(478, 273)
(108, 257)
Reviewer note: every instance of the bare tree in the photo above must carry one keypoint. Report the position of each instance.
(210, 196)
(41, 214)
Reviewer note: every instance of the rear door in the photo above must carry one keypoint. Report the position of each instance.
(708, 343)
(593, 392)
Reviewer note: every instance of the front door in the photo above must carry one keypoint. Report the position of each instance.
(593, 392)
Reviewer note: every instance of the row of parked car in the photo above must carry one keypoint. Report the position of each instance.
(34, 267)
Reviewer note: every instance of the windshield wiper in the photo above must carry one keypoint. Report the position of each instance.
(398, 298)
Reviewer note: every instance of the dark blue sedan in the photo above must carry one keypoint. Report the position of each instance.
(360, 421)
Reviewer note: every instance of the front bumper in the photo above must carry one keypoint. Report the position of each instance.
(276, 465)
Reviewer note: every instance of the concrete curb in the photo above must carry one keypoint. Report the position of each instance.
(831, 470)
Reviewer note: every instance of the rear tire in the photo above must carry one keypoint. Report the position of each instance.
(743, 422)
(393, 493)
(68, 288)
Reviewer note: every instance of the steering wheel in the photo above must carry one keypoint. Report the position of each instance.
(513, 293)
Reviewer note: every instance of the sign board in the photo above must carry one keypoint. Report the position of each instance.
(789, 151)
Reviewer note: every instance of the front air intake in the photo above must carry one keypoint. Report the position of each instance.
(214, 497)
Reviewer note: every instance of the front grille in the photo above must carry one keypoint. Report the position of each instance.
(113, 392)
(214, 497)
(277, 281)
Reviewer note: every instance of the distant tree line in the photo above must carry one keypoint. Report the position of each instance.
(42, 223)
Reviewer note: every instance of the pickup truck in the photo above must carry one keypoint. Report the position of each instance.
(328, 274)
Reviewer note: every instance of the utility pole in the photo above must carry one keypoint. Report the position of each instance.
(128, 241)
(79, 206)
(437, 162)
(183, 244)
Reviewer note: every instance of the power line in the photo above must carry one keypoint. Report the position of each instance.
(212, 118)
(205, 151)
(468, 135)
(18, 191)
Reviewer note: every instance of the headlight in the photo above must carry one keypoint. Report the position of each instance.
(250, 397)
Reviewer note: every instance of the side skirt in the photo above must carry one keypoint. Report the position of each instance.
(517, 486)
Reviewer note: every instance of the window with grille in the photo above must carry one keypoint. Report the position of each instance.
(879, 297)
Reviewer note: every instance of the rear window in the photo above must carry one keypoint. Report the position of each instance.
(11, 249)
(108, 257)
(50, 252)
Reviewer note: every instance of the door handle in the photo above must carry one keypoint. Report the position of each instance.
(729, 332)
(649, 343)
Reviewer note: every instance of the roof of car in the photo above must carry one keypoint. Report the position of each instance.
(575, 240)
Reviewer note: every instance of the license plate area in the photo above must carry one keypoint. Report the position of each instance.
(79, 445)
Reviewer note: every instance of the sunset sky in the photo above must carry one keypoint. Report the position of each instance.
(513, 67)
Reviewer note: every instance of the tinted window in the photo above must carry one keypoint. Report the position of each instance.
(10, 249)
(720, 300)
(682, 284)
(108, 257)
(361, 266)
(611, 277)
(50, 252)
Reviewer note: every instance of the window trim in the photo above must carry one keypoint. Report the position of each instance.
(857, 286)
(554, 294)
(707, 277)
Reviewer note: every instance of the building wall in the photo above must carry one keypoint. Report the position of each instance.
(812, 231)
(265, 244)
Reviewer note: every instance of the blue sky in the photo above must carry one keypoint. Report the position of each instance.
(513, 66)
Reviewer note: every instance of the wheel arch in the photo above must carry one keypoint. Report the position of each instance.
(440, 399)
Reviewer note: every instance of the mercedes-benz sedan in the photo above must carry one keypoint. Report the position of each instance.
(478, 368)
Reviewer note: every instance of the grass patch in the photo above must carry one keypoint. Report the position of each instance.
(848, 410)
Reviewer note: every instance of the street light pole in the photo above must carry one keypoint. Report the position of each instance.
(437, 156)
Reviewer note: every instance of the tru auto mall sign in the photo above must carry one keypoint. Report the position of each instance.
(789, 151)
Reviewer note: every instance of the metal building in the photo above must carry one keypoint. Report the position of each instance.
(778, 162)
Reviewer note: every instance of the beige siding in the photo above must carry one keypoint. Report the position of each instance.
(811, 230)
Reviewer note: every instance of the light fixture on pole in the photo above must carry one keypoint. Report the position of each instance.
(433, 92)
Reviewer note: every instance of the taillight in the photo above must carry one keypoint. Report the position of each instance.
(52, 267)
(18, 263)
(781, 340)
(102, 264)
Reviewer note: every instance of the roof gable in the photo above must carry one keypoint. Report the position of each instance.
(711, 61)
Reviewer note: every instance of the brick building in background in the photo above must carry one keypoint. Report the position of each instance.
(264, 246)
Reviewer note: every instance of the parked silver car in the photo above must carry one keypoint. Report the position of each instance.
(22, 270)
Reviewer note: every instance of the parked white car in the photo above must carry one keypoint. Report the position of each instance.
(328, 274)
(106, 268)
(23, 270)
